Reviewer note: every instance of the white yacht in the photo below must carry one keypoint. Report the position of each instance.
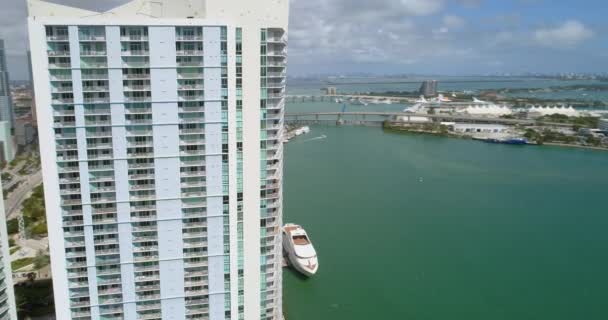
(300, 252)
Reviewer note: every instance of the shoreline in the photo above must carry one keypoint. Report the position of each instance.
(464, 137)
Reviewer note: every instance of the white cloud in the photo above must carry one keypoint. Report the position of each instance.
(422, 7)
(568, 35)
(453, 22)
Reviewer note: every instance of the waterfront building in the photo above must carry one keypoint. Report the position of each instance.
(603, 124)
(160, 127)
(8, 309)
(7, 142)
(330, 91)
(478, 128)
(6, 104)
(428, 88)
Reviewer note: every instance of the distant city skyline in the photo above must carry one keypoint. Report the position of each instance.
(451, 37)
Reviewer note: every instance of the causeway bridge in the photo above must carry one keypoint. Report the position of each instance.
(377, 118)
(332, 98)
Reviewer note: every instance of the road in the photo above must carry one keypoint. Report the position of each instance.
(16, 197)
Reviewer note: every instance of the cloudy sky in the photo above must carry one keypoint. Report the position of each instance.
(412, 36)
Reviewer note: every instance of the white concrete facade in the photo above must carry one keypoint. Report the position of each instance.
(152, 117)
(8, 309)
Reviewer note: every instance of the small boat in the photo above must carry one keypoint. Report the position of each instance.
(300, 252)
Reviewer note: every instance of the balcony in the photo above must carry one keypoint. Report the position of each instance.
(196, 87)
(107, 252)
(137, 99)
(61, 77)
(191, 118)
(180, 53)
(136, 76)
(129, 110)
(190, 75)
(275, 105)
(145, 258)
(69, 191)
(97, 100)
(65, 147)
(102, 200)
(93, 65)
(276, 74)
(195, 63)
(135, 53)
(189, 37)
(63, 101)
(276, 53)
(189, 109)
(96, 111)
(60, 65)
(142, 187)
(136, 64)
(150, 316)
(58, 38)
(56, 53)
(137, 88)
(278, 65)
(95, 89)
(108, 271)
(134, 37)
(275, 84)
(93, 53)
(99, 134)
(94, 76)
(81, 314)
(92, 37)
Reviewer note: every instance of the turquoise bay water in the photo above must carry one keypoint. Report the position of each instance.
(419, 227)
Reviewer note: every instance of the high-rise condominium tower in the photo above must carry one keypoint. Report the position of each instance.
(160, 128)
(6, 102)
(7, 295)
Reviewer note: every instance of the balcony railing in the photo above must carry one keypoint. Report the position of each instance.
(136, 76)
(138, 99)
(137, 88)
(53, 53)
(62, 37)
(92, 37)
(134, 53)
(60, 65)
(134, 37)
(189, 53)
(95, 89)
(189, 37)
(93, 53)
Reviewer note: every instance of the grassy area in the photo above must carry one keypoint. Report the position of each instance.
(34, 213)
(42, 260)
(20, 263)
(14, 249)
(35, 299)
(576, 122)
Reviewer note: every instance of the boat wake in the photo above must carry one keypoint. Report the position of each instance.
(321, 137)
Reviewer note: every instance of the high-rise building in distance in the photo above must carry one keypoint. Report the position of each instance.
(6, 102)
(8, 309)
(428, 88)
(29, 64)
(160, 127)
